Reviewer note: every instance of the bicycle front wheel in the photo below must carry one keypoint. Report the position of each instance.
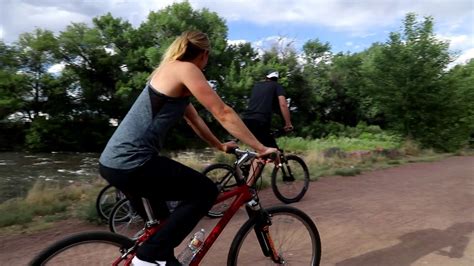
(294, 236)
(290, 181)
(91, 248)
(125, 220)
(222, 175)
(106, 200)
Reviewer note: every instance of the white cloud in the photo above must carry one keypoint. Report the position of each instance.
(464, 57)
(278, 42)
(461, 44)
(357, 18)
(236, 42)
(337, 14)
(55, 15)
(54, 69)
(458, 42)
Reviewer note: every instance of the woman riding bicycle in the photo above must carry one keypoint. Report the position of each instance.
(132, 162)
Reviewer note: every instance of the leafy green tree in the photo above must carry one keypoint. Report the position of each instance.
(10, 81)
(241, 60)
(461, 118)
(317, 62)
(345, 83)
(95, 58)
(410, 85)
(162, 27)
(369, 108)
(36, 55)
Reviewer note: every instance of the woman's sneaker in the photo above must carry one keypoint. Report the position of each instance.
(138, 262)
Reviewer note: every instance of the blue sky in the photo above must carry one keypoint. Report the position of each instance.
(348, 25)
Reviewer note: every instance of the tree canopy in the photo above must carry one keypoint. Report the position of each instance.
(404, 85)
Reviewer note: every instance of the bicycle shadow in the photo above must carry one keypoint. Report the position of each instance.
(416, 245)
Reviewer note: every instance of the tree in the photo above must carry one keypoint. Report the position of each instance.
(10, 81)
(462, 109)
(317, 93)
(410, 87)
(162, 27)
(345, 83)
(36, 55)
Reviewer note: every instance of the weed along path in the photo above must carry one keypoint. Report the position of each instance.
(413, 214)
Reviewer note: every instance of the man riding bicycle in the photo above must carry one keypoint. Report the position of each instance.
(267, 97)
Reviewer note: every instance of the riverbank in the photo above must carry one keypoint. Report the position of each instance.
(48, 201)
(46, 204)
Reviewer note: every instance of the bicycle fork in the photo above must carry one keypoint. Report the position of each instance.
(286, 170)
(262, 231)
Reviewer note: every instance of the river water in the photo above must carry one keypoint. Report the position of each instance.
(19, 171)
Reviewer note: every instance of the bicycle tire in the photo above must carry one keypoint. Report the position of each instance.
(285, 233)
(106, 200)
(89, 248)
(290, 188)
(224, 176)
(124, 220)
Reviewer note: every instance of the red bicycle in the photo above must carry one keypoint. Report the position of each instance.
(280, 235)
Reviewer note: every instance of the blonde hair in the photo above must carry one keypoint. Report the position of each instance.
(185, 47)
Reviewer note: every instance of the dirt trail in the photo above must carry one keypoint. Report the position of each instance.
(415, 214)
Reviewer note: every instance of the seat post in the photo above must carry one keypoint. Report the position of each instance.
(148, 209)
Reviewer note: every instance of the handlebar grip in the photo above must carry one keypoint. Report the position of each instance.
(232, 150)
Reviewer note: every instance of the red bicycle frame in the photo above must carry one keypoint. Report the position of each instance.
(242, 194)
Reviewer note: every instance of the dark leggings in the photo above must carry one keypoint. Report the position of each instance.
(161, 179)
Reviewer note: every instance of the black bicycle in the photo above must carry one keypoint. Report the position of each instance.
(289, 181)
(107, 198)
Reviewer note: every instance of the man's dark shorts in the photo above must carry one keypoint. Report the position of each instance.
(261, 131)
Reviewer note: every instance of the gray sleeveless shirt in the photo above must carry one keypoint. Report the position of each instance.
(142, 132)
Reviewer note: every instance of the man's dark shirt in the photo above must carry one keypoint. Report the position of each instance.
(264, 101)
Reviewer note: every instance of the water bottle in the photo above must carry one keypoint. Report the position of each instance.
(187, 255)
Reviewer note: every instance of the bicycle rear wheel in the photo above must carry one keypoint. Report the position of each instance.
(222, 175)
(106, 200)
(91, 248)
(290, 181)
(125, 220)
(293, 234)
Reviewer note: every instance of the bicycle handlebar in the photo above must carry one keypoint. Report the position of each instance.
(244, 156)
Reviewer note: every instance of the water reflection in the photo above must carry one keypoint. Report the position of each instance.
(19, 171)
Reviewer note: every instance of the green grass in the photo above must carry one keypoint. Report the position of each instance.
(365, 141)
(50, 203)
